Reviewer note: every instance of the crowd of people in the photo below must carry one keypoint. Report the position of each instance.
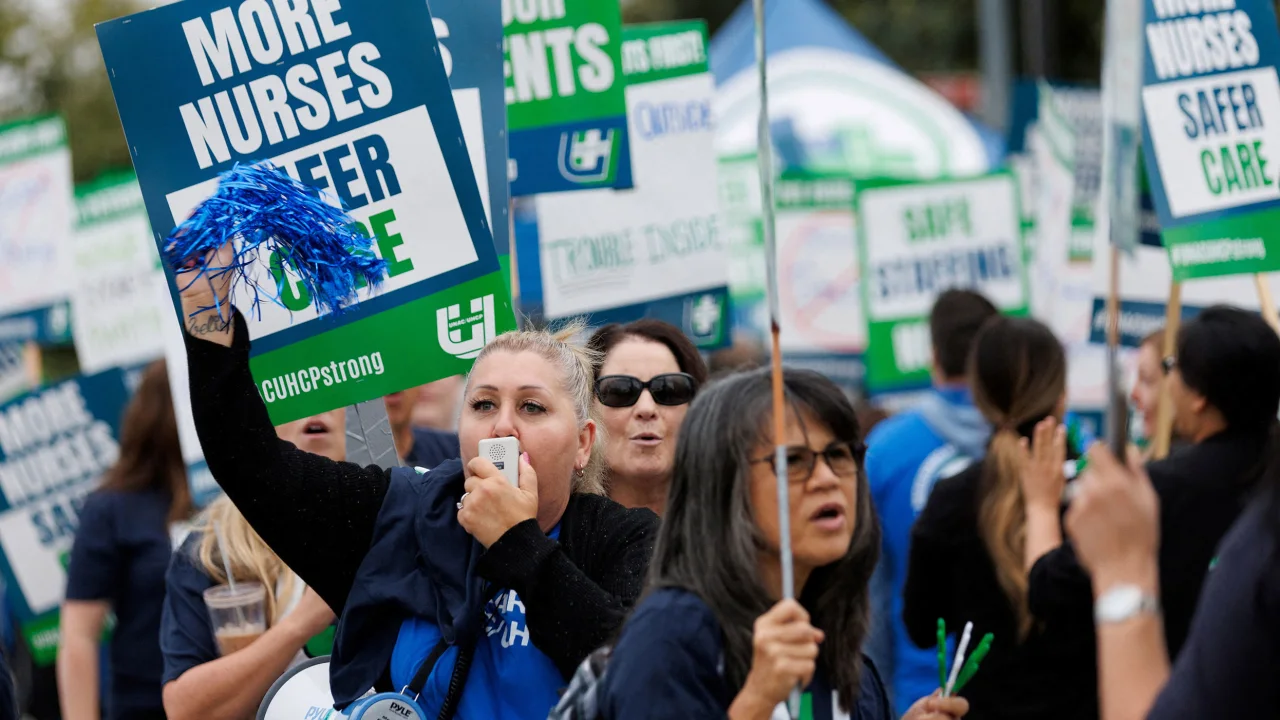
(636, 571)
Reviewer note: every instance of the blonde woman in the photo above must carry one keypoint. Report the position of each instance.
(199, 681)
(480, 596)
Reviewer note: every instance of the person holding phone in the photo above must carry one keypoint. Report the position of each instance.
(648, 376)
(478, 596)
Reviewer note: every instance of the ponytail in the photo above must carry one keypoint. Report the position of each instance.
(1019, 375)
(1002, 521)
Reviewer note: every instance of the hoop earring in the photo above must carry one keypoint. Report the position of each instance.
(579, 472)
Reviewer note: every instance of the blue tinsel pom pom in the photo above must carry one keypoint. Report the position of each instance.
(271, 212)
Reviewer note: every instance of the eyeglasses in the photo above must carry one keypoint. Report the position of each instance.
(619, 391)
(1168, 364)
(841, 457)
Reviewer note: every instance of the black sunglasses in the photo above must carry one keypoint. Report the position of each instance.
(841, 457)
(621, 391)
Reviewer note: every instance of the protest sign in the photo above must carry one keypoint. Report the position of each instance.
(114, 315)
(922, 239)
(55, 443)
(819, 289)
(656, 250)
(14, 378)
(566, 105)
(470, 37)
(35, 215)
(743, 232)
(1144, 290)
(1211, 102)
(350, 99)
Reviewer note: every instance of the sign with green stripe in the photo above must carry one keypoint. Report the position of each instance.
(566, 103)
(1211, 130)
(924, 238)
(36, 214)
(55, 443)
(115, 319)
(655, 250)
(385, 141)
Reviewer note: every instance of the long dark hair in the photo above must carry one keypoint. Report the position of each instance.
(150, 456)
(709, 543)
(1019, 374)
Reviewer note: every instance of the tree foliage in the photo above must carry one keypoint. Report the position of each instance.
(50, 63)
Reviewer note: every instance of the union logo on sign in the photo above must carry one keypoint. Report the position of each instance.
(451, 324)
(586, 156)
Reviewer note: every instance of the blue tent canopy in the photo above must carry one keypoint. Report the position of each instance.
(796, 24)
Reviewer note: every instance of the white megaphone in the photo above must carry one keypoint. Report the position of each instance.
(302, 693)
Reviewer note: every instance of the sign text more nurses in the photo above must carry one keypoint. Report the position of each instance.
(1210, 75)
(272, 108)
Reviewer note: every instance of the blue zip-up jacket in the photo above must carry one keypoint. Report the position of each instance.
(906, 455)
(668, 663)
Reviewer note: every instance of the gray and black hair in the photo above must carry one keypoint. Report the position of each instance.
(710, 544)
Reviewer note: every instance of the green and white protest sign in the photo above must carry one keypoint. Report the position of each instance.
(656, 250)
(566, 107)
(1211, 103)
(351, 99)
(55, 444)
(35, 229)
(115, 319)
(819, 283)
(743, 232)
(922, 239)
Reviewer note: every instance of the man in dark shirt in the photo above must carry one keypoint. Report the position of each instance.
(416, 446)
(1225, 386)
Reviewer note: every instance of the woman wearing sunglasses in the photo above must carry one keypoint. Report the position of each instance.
(649, 374)
(711, 637)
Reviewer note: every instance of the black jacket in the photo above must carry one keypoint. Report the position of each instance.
(324, 519)
(1049, 674)
(1203, 488)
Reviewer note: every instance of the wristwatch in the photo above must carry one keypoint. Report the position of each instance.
(1124, 602)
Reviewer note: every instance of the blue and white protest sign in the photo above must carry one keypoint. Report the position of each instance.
(470, 36)
(1211, 99)
(353, 100)
(655, 250)
(55, 443)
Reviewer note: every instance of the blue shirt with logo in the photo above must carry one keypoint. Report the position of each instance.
(509, 677)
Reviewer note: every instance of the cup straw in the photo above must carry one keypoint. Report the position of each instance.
(226, 567)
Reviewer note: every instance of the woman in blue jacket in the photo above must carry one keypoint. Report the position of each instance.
(482, 595)
(711, 637)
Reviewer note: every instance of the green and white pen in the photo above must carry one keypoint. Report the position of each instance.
(955, 667)
(971, 665)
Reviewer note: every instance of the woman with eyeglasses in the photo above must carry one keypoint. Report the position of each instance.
(712, 636)
(643, 387)
(974, 544)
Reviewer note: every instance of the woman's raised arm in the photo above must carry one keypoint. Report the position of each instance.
(316, 514)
